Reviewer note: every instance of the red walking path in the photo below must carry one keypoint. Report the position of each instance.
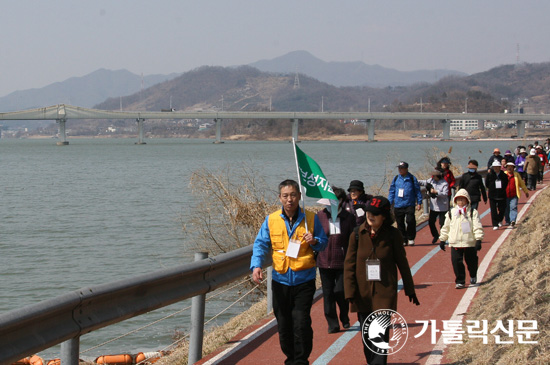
(435, 288)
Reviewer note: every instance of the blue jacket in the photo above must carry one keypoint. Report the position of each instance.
(262, 248)
(411, 191)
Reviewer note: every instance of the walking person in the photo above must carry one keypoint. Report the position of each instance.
(357, 201)
(515, 182)
(473, 183)
(437, 189)
(495, 156)
(543, 162)
(292, 244)
(532, 167)
(377, 241)
(496, 182)
(331, 262)
(445, 165)
(520, 163)
(464, 232)
(404, 195)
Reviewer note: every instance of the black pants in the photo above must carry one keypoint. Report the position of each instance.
(332, 281)
(372, 358)
(292, 308)
(498, 208)
(531, 182)
(432, 219)
(458, 256)
(406, 215)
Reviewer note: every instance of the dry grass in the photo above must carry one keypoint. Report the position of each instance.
(516, 288)
(218, 336)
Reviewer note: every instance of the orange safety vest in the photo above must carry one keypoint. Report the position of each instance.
(279, 243)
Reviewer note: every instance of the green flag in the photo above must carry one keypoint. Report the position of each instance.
(312, 177)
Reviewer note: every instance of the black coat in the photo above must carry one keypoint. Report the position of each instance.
(473, 183)
(490, 183)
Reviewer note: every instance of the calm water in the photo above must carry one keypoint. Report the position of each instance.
(100, 210)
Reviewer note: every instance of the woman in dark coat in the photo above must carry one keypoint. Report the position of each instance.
(376, 239)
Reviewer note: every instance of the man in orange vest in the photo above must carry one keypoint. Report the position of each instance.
(292, 244)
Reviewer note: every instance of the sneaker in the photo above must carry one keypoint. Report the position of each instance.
(459, 286)
(495, 228)
(473, 280)
(513, 223)
(500, 224)
(434, 241)
(405, 243)
(411, 242)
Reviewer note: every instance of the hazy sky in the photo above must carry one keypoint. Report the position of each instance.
(43, 42)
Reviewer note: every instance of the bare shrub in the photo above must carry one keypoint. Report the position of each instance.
(232, 205)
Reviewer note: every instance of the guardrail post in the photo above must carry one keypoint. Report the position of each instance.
(197, 321)
(69, 351)
(269, 290)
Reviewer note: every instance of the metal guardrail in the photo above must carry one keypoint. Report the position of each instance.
(31, 329)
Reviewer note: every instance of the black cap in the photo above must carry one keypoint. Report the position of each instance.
(378, 205)
(356, 184)
(403, 164)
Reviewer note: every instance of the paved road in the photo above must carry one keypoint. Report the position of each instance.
(435, 287)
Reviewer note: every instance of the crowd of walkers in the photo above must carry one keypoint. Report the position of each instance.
(360, 252)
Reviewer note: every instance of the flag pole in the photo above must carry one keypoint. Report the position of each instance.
(300, 181)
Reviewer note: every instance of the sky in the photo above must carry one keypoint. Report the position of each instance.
(43, 42)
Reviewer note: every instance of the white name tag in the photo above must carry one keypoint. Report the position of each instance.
(401, 193)
(335, 226)
(360, 212)
(498, 184)
(465, 227)
(373, 270)
(293, 249)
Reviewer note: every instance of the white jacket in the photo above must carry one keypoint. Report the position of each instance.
(453, 229)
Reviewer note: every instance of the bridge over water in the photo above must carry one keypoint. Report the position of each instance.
(61, 113)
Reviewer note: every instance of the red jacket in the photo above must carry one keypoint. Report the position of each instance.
(450, 179)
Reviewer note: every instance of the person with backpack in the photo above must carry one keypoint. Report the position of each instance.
(464, 232)
(437, 189)
(357, 200)
(532, 167)
(515, 183)
(445, 165)
(404, 195)
(473, 183)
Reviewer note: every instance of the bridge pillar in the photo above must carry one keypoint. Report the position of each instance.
(446, 124)
(62, 133)
(218, 131)
(295, 123)
(521, 128)
(370, 130)
(140, 130)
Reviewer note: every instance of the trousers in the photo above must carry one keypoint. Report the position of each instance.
(292, 309)
(458, 256)
(406, 222)
(498, 208)
(332, 282)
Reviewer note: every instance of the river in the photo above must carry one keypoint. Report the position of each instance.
(99, 210)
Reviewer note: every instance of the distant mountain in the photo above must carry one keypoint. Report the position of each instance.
(349, 73)
(84, 91)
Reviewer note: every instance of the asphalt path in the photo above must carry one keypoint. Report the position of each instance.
(435, 288)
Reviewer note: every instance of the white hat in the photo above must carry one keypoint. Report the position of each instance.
(510, 164)
(532, 152)
(496, 163)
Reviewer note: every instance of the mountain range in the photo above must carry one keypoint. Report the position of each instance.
(96, 87)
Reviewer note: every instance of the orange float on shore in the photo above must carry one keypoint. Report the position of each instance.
(31, 360)
(115, 360)
(149, 357)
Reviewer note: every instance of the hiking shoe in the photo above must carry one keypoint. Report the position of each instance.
(495, 228)
(473, 280)
(411, 242)
(459, 286)
(434, 241)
